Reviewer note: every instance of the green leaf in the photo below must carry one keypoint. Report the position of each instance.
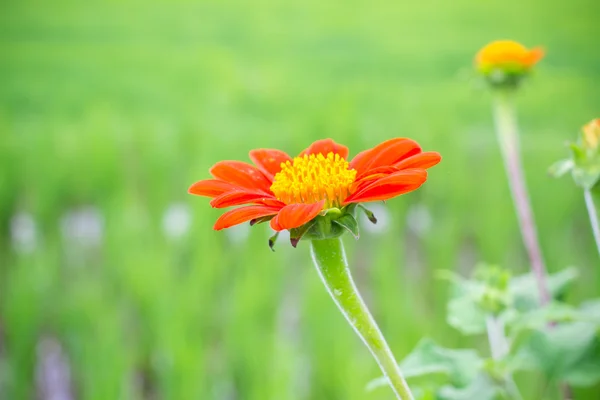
(590, 311)
(463, 310)
(586, 177)
(481, 388)
(348, 222)
(539, 318)
(525, 293)
(566, 352)
(459, 366)
(465, 315)
(561, 167)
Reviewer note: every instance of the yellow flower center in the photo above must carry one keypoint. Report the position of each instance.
(311, 178)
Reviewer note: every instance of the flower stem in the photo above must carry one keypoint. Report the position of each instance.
(593, 213)
(499, 348)
(330, 260)
(496, 338)
(507, 132)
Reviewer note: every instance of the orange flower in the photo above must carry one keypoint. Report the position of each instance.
(507, 56)
(290, 192)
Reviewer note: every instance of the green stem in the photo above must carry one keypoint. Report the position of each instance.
(499, 348)
(508, 138)
(330, 259)
(593, 213)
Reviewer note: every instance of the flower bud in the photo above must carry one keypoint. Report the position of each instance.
(591, 135)
(504, 62)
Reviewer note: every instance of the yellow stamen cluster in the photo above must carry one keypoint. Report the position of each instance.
(311, 178)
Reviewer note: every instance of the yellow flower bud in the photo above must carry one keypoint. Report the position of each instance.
(591, 134)
(505, 62)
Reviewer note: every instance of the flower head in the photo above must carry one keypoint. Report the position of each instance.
(292, 193)
(506, 62)
(584, 163)
(591, 135)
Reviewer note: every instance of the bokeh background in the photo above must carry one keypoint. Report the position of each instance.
(113, 284)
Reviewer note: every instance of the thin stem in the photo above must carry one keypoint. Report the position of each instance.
(330, 260)
(496, 338)
(507, 132)
(499, 348)
(593, 213)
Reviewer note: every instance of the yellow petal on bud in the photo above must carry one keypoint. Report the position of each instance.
(591, 134)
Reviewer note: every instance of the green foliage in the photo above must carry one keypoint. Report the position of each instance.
(568, 352)
(476, 298)
(558, 340)
(459, 367)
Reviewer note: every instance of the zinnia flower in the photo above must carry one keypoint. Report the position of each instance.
(291, 192)
(505, 62)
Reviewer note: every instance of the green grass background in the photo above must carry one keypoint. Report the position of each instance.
(123, 105)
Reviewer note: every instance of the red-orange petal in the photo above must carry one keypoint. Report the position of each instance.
(269, 160)
(326, 146)
(386, 153)
(390, 186)
(211, 188)
(241, 174)
(295, 215)
(243, 214)
(420, 161)
(239, 197)
(370, 176)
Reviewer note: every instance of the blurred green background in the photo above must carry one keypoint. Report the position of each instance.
(110, 272)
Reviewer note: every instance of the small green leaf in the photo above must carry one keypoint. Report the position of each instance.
(590, 311)
(568, 352)
(561, 167)
(348, 222)
(460, 366)
(482, 388)
(525, 292)
(463, 311)
(465, 315)
(539, 318)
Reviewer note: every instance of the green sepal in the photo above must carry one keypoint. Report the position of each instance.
(296, 234)
(260, 220)
(348, 222)
(561, 167)
(324, 227)
(272, 241)
(579, 155)
(369, 214)
(586, 177)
